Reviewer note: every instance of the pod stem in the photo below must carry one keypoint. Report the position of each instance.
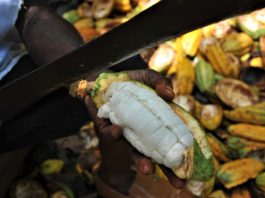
(81, 88)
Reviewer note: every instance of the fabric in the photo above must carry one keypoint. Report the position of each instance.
(11, 49)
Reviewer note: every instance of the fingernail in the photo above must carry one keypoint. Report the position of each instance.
(146, 169)
(169, 90)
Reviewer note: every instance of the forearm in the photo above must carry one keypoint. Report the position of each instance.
(46, 35)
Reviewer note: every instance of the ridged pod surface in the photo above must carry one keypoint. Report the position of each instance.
(239, 171)
(254, 114)
(223, 63)
(249, 131)
(164, 132)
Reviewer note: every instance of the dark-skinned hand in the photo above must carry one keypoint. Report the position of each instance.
(118, 155)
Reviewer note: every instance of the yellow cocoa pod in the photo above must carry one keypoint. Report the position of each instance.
(191, 42)
(249, 131)
(239, 171)
(220, 150)
(123, 5)
(210, 115)
(223, 63)
(84, 23)
(254, 114)
(237, 43)
(242, 147)
(179, 56)
(162, 59)
(185, 78)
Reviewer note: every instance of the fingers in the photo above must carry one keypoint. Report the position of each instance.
(161, 84)
(164, 90)
(143, 164)
(175, 181)
(104, 126)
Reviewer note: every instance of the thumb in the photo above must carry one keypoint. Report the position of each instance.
(103, 125)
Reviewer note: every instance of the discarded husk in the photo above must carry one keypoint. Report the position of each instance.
(201, 189)
(191, 42)
(220, 150)
(102, 9)
(205, 77)
(239, 171)
(242, 147)
(235, 93)
(254, 114)
(218, 194)
(185, 78)
(71, 16)
(251, 26)
(223, 63)
(84, 23)
(26, 188)
(260, 181)
(187, 102)
(197, 161)
(210, 115)
(123, 5)
(51, 166)
(240, 193)
(162, 58)
(249, 131)
(237, 43)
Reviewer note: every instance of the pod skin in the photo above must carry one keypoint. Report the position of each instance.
(254, 114)
(239, 171)
(249, 131)
(164, 132)
(235, 93)
(210, 115)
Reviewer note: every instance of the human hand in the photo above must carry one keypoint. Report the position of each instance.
(117, 153)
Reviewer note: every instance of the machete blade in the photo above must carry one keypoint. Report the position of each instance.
(165, 20)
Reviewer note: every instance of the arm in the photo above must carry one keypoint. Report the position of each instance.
(46, 35)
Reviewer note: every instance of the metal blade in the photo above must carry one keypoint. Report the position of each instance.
(161, 22)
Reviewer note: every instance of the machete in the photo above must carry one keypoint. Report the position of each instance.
(165, 20)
